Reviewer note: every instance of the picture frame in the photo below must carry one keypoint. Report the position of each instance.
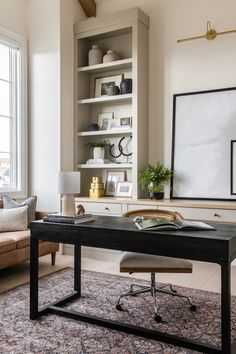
(113, 177)
(101, 84)
(126, 121)
(124, 189)
(104, 120)
(203, 127)
(233, 168)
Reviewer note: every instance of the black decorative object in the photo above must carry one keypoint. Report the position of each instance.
(121, 150)
(93, 127)
(111, 153)
(113, 90)
(156, 195)
(126, 86)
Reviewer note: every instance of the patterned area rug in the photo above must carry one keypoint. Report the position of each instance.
(52, 334)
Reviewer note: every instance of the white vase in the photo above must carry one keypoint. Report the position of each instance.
(95, 55)
(98, 153)
(110, 56)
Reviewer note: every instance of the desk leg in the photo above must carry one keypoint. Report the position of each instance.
(77, 269)
(34, 278)
(226, 308)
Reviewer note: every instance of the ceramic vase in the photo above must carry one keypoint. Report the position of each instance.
(110, 56)
(126, 86)
(95, 55)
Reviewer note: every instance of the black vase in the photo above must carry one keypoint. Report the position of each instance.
(126, 86)
(156, 195)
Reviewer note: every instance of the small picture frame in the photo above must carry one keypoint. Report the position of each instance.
(104, 120)
(124, 189)
(126, 122)
(102, 83)
(113, 177)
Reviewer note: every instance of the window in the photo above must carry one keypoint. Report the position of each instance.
(12, 114)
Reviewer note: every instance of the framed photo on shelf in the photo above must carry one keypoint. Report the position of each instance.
(124, 189)
(104, 120)
(126, 122)
(102, 83)
(113, 177)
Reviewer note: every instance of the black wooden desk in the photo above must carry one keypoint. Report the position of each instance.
(120, 234)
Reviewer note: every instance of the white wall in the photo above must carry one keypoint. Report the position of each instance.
(44, 98)
(190, 66)
(13, 15)
(70, 13)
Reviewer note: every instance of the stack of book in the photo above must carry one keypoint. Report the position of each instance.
(68, 219)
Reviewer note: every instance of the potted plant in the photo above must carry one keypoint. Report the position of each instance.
(154, 176)
(99, 148)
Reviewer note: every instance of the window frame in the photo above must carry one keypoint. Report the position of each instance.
(19, 41)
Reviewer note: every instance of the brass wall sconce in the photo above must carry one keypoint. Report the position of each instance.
(210, 34)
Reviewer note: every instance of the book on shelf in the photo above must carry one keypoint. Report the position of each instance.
(68, 219)
(161, 224)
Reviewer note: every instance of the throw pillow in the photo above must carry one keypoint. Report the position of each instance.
(9, 203)
(14, 219)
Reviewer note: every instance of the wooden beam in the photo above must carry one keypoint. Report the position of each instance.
(89, 7)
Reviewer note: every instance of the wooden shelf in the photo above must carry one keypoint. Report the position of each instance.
(105, 132)
(106, 165)
(114, 65)
(104, 99)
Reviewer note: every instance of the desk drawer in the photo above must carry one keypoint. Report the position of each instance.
(220, 215)
(102, 208)
(132, 207)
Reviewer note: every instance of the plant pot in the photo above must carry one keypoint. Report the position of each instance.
(156, 195)
(98, 153)
(155, 191)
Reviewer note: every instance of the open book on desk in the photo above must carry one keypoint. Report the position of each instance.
(161, 224)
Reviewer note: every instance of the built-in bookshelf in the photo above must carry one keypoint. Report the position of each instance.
(126, 33)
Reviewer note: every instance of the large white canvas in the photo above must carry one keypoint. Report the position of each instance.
(205, 124)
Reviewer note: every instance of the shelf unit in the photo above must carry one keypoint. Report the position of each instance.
(127, 33)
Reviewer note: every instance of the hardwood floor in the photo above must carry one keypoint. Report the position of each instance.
(205, 276)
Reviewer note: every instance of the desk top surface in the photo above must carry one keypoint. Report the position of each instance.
(223, 232)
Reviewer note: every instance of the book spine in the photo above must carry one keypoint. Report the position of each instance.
(59, 220)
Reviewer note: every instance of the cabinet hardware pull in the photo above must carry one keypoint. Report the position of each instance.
(217, 215)
(106, 208)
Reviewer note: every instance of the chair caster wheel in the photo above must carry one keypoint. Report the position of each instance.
(158, 318)
(193, 308)
(174, 291)
(119, 307)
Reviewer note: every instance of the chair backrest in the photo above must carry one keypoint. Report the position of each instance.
(154, 213)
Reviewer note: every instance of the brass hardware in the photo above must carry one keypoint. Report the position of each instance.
(210, 34)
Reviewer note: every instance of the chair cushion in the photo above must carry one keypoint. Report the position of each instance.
(13, 219)
(30, 202)
(6, 244)
(145, 263)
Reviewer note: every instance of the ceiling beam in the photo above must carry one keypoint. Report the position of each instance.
(89, 7)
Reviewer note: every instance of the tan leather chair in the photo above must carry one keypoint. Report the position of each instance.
(131, 262)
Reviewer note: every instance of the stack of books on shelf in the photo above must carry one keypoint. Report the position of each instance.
(68, 219)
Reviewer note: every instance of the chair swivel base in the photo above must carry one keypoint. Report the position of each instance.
(153, 289)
